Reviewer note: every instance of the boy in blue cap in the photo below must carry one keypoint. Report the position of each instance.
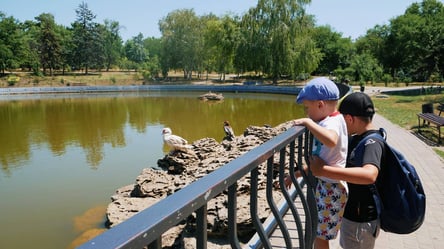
(320, 99)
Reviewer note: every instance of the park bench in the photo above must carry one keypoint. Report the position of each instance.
(440, 108)
(429, 117)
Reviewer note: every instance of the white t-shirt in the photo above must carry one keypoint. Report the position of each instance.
(336, 156)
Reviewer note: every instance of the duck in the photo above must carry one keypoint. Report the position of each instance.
(176, 143)
(229, 133)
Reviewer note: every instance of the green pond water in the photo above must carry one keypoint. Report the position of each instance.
(63, 156)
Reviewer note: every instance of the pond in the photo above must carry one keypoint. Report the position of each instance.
(63, 156)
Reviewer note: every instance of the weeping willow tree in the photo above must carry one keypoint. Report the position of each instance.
(277, 39)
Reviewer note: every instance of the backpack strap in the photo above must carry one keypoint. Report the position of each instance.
(381, 136)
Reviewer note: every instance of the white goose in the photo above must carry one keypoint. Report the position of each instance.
(174, 142)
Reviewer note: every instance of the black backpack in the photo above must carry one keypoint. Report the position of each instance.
(398, 191)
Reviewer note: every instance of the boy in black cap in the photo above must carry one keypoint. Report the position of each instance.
(359, 227)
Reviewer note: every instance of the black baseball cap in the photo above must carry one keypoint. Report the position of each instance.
(357, 104)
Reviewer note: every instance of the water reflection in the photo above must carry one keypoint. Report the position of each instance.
(85, 122)
(61, 155)
(91, 123)
(89, 224)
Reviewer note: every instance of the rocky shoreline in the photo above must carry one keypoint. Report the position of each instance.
(180, 169)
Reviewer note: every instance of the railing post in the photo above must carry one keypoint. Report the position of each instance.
(312, 219)
(201, 227)
(300, 194)
(265, 242)
(270, 198)
(232, 216)
(157, 244)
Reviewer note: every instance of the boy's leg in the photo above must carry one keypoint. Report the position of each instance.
(355, 235)
(330, 200)
(321, 243)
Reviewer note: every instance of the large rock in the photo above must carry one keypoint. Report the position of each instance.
(181, 168)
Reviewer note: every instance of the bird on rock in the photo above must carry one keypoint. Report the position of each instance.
(174, 142)
(229, 133)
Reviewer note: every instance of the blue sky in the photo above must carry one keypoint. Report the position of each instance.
(352, 18)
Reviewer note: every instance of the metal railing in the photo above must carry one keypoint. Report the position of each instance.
(292, 146)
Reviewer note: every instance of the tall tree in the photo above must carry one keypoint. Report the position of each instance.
(67, 47)
(49, 45)
(366, 68)
(29, 51)
(375, 43)
(182, 41)
(221, 39)
(417, 41)
(112, 43)
(11, 43)
(87, 39)
(277, 33)
(336, 51)
(153, 46)
(136, 52)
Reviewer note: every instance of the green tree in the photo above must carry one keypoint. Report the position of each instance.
(153, 46)
(49, 43)
(135, 51)
(67, 46)
(375, 43)
(336, 51)
(112, 43)
(411, 47)
(11, 43)
(366, 68)
(211, 49)
(182, 42)
(221, 39)
(277, 39)
(87, 39)
(430, 54)
(29, 55)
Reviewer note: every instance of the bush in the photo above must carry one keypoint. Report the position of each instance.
(36, 81)
(387, 78)
(12, 80)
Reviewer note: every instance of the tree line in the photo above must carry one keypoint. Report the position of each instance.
(277, 39)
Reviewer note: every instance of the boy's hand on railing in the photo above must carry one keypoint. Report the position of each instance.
(301, 121)
(287, 181)
(287, 178)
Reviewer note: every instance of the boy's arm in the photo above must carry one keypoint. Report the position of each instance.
(297, 174)
(364, 175)
(326, 136)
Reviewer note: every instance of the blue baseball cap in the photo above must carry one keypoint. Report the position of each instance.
(318, 89)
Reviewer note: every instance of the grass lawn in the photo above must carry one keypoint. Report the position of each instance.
(95, 78)
(402, 110)
(27, 79)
